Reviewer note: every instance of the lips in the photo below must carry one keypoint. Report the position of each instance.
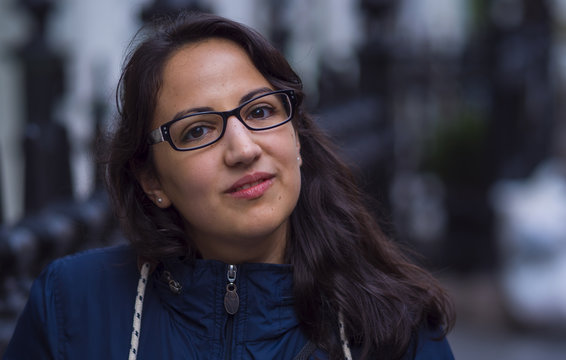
(251, 186)
(247, 186)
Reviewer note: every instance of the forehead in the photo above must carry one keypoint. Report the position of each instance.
(209, 73)
(206, 60)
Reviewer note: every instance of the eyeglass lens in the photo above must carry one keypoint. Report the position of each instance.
(201, 129)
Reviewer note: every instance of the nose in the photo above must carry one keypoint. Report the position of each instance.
(241, 149)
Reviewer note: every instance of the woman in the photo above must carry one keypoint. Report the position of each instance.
(249, 233)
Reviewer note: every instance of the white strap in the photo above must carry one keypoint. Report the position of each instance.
(136, 327)
(345, 343)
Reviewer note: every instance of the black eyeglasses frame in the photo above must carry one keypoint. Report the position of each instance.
(162, 133)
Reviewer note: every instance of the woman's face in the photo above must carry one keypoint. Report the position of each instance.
(237, 194)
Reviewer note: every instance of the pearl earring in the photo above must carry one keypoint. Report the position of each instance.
(159, 200)
(298, 158)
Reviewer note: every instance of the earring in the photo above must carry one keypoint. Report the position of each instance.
(299, 158)
(159, 200)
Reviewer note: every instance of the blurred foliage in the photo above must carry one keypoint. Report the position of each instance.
(478, 10)
(457, 149)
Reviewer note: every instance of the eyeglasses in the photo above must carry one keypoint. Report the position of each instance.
(197, 130)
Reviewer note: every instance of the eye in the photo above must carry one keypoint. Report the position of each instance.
(261, 112)
(194, 133)
(196, 130)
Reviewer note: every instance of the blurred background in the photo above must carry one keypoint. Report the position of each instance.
(450, 112)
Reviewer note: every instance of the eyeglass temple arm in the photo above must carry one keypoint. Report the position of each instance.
(156, 136)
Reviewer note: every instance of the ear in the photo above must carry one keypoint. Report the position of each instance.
(153, 189)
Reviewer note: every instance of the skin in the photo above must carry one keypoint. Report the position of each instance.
(217, 74)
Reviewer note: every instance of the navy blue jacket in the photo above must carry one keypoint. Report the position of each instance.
(82, 306)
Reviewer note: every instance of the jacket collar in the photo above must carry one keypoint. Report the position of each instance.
(264, 291)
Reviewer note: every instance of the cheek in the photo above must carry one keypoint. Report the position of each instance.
(288, 153)
(290, 142)
(186, 178)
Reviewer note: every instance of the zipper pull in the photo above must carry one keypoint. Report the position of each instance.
(231, 298)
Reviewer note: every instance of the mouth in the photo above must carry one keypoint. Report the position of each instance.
(251, 186)
(247, 186)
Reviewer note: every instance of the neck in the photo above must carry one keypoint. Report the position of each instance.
(238, 255)
(266, 249)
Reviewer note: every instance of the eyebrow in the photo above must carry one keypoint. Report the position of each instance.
(248, 96)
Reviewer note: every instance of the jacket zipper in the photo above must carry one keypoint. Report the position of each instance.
(231, 304)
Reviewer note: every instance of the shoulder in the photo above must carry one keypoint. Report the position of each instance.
(70, 292)
(430, 344)
(96, 261)
(427, 344)
(99, 258)
(92, 271)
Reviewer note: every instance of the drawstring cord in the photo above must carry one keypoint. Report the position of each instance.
(136, 327)
(343, 339)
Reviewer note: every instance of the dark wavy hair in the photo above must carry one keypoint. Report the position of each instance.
(341, 258)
